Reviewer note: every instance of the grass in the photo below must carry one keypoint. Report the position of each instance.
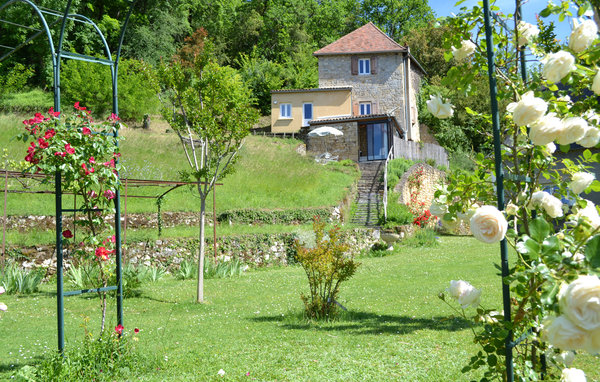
(396, 328)
(269, 174)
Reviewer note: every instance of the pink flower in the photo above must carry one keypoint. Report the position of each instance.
(43, 143)
(102, 253)
(92, 194)
(86, 170)
(60, 154)
(53, 113)
(113, 117)
(119, 329)
(108, 194)
(110, 163)
(67, 234)
(92, 160)
(69, 149)
(247, 374)
(136, 330)
(86, 131)
(49, 134)
(77, 107)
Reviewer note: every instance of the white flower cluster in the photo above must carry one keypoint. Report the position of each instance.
(439, 108)
(464, 293)
(572, 375)
(549, 203)
(466, 49)
(488, 225)
(527, 32)
(3, 306)
(578, 327)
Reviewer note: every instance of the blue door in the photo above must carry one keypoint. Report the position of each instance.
(307, 113)
(377, 141)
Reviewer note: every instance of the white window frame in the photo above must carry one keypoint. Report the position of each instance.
(363, 106)
(364, 66)
(285, 111)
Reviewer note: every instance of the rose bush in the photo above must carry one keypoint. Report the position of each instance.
(85, 154)
(554, 229)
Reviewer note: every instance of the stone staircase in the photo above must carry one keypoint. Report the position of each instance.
(369, 198)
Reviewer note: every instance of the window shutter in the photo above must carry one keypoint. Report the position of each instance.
(374, 65)
(375, 107)
(354, 65)
(355, 109)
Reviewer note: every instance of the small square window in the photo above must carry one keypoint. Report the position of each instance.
(364, 108)
(364, 66)
(285, 110)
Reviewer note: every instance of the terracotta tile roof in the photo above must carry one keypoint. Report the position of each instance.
(366, 39)
(337, 88)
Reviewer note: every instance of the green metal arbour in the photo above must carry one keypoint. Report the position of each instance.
(510, 343)
(56, 55)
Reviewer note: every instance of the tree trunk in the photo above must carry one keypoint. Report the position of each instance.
(200, 296)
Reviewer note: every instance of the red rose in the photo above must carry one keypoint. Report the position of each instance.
(67, 234)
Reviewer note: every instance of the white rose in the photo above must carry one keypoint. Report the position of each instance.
(591, 213)
(465, 293)
(511, 209)
(566, 358)
(527, 32)
(528, 110)
(553, 206)
(580, 181)
(572, 375)
(545, 130)
(466, 49)
(438, 108)
(580, 302)
(573, 130)
(550, 149)
(563, 334)
(558, 65)
(591, 137)
(596, 83)
(438, 209)
(488, 225)
(593, 343)
(583, 35)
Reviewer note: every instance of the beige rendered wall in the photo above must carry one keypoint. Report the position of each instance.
(325, 104)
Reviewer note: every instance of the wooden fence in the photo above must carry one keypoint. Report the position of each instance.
(418, 151)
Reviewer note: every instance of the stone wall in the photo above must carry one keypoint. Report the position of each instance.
(344, 146)
(430, 179)
(385, 89)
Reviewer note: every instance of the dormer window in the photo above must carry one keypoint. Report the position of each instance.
(364, 66)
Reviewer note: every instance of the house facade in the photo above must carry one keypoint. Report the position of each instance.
(380, 79)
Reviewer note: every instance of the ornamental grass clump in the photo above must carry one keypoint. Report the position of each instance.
(327, 265)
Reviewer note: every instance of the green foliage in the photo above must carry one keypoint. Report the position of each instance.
(397, 213)
(422, 238)
(87, 276)
(326, 265)
(397, 17)
(107, 357)
(151, 273)
(261, 76)
(14, 79)
(287, 216)
(90, 84)
(26, 101)
(212, 270)
(17, 280)
(460, 160)
(396, 168)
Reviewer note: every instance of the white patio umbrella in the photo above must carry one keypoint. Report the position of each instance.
(325, 131)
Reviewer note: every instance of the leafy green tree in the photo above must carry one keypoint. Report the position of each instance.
(261, 76)
(207, 105)
(396, 17)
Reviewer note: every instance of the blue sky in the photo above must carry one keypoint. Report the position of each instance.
(530, 8)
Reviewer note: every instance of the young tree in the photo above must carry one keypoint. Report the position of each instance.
(207, 105)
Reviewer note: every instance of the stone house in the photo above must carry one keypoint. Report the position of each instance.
(368, 86)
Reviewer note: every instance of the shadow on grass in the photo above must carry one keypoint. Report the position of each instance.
(369, 323)
(15, 366)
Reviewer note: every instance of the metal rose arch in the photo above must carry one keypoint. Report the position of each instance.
(57, 54)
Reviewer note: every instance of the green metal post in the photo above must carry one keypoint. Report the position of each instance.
(59, 264)
(519, 17)
(499, 183)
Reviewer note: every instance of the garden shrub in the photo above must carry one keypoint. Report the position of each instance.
(17, 280)
(397, 213)
(276, 216)
(327, 265)
(90, 84)
(396, 168)
(14, 79)
(188, 269)
(423, 237)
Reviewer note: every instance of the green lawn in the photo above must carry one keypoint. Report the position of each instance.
(396, 328)
(269, 174)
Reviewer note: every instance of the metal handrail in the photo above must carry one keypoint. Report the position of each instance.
(385, 185)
